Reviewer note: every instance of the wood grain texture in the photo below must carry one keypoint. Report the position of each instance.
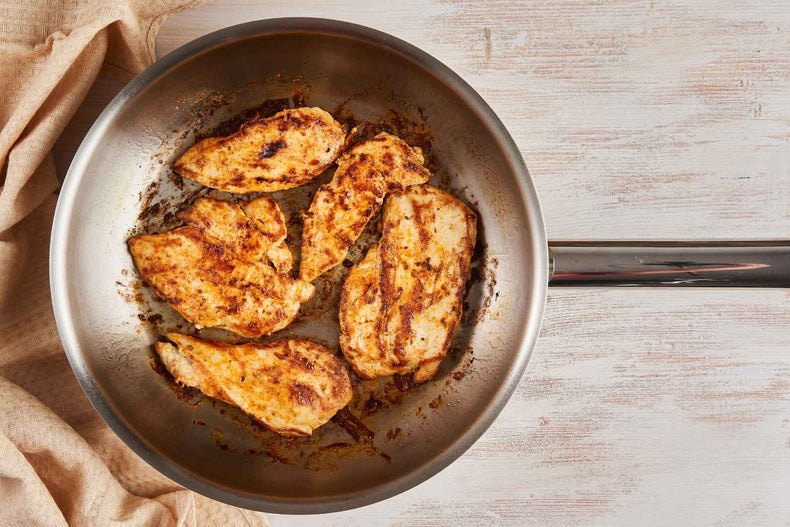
(642, 120)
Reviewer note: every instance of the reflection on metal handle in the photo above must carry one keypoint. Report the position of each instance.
(700, 264)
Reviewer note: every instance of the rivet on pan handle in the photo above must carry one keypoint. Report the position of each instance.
(663, 264)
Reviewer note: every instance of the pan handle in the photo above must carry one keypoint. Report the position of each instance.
(662, 264)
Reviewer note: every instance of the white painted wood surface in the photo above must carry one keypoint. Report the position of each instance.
(641, 120)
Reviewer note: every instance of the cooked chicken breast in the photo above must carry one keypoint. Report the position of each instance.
(215, 271)
(271, 223)
(290, 386)
(283, 151)
(341, 209)
(255, 233)
(400, 306)
(362, 317)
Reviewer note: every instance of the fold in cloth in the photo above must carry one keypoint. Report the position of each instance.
(59, 463)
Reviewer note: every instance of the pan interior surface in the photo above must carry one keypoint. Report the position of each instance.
(120, 184)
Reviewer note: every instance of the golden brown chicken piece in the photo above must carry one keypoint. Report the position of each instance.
(255, 232)
(215, 271)
(400, 306)
(290, 386)
(361, 318)
(271, 223)
(341, 208)
(279, 152)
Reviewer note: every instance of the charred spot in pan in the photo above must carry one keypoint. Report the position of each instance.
(176, 178)
(299, 98)
(476, 275)
(169, 218)
(412, 130)
(153, 319)
(394, 433)
(270, 107)
(219, 439)
(372, 404)
(150, 211)
(352, 425)
(404, 382)
(230, 126)
(186, 394)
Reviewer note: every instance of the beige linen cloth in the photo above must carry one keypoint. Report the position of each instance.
(59, 463)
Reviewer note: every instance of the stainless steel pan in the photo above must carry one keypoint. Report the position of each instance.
(119, 183)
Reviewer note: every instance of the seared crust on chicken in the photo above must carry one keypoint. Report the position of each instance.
(255, 233)
(341, 209)
(400, 306)
(279, 152)
(271, 223)
(215, 271)
(361, 317)
(290, 386)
